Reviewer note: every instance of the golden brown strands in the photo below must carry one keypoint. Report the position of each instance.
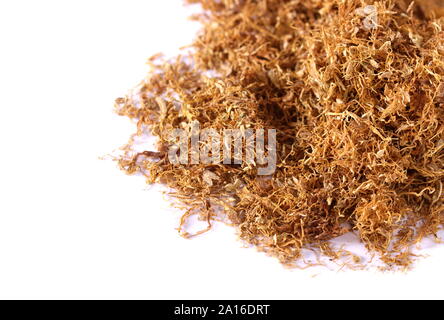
(359, 114)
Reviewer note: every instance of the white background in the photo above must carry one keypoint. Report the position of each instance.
(73, 226)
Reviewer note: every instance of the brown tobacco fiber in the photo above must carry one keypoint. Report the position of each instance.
(359, 114)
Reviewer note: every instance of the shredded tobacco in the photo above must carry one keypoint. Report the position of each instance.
(359, 113)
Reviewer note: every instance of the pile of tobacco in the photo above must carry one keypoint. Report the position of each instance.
(355, 92)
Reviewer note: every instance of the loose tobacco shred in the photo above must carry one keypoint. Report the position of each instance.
(359, 114)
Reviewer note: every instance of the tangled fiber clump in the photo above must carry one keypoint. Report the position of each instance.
(359, 114)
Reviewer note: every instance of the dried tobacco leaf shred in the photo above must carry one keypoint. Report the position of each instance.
(359, 114)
